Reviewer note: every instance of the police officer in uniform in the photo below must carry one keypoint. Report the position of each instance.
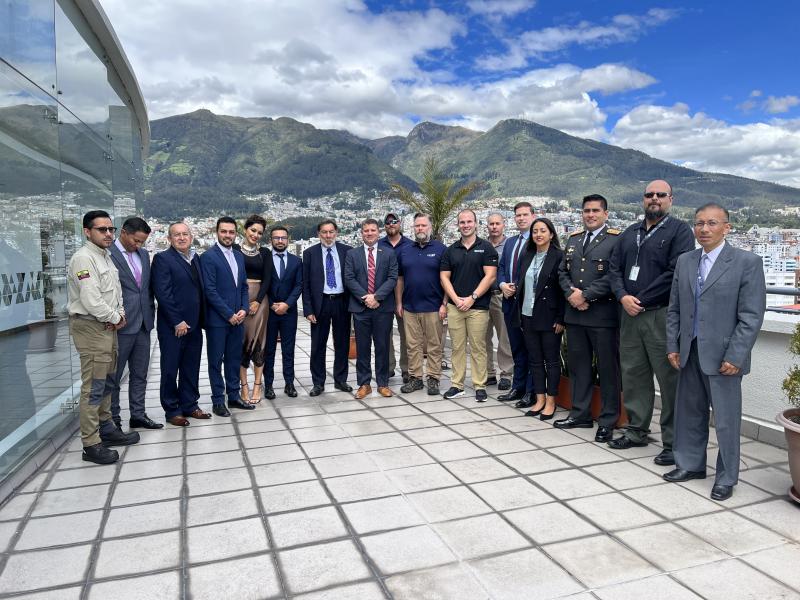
(96, 314)
(592, 320)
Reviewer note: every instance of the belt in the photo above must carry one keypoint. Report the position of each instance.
(333, 295)
(652, 308)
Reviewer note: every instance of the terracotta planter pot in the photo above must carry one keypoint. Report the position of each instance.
(564, 400)
(792, 431)
(351, 354)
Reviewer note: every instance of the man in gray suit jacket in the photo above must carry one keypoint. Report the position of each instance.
(370, 274)
(133, 263)
(716, 308)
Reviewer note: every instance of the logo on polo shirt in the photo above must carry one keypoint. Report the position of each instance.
(479, 250)
(431, 255)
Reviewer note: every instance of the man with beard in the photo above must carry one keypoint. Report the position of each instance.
(285, 288)
(225, 286)
(395, 240)
(642, 266)
(496, 227)
(421, 303)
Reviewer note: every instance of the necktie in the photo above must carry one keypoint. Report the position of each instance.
(370, 272)
(137, 272)
(587, 241)
(330, 273)
(282, 271)
(515, 262)
(702, 273)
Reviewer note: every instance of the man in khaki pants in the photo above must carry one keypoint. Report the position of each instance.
(96, 313)
(420, 301)
(467, 271)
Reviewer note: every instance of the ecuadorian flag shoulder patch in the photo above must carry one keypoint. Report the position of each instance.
(82, 274)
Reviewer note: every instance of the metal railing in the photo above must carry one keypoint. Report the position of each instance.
(784, 291)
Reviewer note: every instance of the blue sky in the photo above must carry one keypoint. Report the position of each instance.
(711, 85)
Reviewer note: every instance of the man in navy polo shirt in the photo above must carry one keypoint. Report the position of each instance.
(396, 241)
(421, 304)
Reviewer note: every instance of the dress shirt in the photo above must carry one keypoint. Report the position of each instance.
(374, 253)
(276, 260)
(133, 256)
(229, 256)
(337, 267)
(707, 260)
(190, 257)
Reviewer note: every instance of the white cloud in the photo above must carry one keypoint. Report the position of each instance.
(539, 43)
(758, 150)
(496, 10)
(782, 104)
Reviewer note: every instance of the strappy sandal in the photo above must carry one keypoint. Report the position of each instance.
(257, 396)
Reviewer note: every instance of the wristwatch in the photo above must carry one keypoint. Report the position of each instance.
(474, 296)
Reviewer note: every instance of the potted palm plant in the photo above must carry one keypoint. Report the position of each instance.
(790, 418)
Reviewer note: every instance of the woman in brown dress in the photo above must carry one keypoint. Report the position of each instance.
(258, 265)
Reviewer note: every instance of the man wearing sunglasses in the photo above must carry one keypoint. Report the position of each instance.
(395, 240)
(95, 316)
(641, 270)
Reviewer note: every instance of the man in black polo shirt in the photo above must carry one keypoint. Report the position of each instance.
(642, 265)
(468, 269)
(420, 303)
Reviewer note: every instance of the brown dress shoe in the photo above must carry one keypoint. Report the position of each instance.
(363, 391)
(178, 421)
(198, 414)
(385, 392)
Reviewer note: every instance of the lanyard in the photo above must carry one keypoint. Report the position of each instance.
(640, 242)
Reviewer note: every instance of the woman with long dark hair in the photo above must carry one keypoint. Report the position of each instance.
(540, 312)
(258, 264)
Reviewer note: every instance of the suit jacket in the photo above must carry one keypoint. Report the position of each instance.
(731, 309)
(548, 307)
(504, 269)
(179, 292)
(224, 296)
(355, 278)
(290, 287)
(589, 272)
(140, 309)
(314, 276)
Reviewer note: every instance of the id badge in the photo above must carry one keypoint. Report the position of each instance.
(634, 274)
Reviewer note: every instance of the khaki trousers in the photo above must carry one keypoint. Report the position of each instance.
(470, 325)
(505, 361)
(97, 348)
(423, 334)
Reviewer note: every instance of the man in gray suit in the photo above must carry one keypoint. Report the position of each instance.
(716, 308)
(133, 263)
(370, 275)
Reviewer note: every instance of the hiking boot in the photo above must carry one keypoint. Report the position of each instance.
(413, 385)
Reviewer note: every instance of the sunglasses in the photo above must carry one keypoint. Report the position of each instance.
(649, 195)
(105, 229)
(392, 222)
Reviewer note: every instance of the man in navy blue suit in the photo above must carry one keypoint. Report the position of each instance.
(225, 285)
(370, 274)
(285, 288)
(178, 286)
(325, 306)
(506, 276)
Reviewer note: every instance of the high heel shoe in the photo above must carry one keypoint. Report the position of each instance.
(244, 392)
(257, 395)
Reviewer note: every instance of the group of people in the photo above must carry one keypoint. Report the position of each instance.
(635, 305)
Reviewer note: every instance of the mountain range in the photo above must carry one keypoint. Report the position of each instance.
(216, 160)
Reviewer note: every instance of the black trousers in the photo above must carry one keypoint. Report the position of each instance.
(582, 344)
(372, 328)
(332, 315)
(544, 356)
(286, 326)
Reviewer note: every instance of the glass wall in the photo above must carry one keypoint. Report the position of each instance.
(69, 143)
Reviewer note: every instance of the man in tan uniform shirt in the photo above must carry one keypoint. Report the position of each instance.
(96, 313)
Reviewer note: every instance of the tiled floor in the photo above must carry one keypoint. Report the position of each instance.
(408, 497)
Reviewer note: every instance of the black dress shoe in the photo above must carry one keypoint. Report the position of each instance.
(721, 492)
(604, 434)
(290, 391)
(683, 475)
(119, 438)
(526, 402)
(492, 380)
(220, 410)
(316, 390)
(145, 422)
(100, 455)
(269, 393)
(664, 458)
(512, 395)
(623, 442)
(570, 423)
(240, 405)
(340, 385)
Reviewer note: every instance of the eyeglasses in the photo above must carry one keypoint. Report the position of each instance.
(711, 224)
(649, 195)
(392, 222)
(105, 229)
(280, 238)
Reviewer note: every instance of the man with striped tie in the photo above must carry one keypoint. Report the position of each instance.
(370, 274)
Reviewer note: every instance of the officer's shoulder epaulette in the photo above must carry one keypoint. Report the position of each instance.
(579, 232)
(610, 231)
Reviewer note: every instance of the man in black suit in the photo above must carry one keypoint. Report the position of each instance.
(178, 286)
(286, 285)
(133, 340)
(592, 319)
(370, 274)
(325, 306)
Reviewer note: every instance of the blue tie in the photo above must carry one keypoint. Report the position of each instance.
(282, 271)
(330, 273)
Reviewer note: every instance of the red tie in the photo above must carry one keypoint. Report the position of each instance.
(370, 272)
